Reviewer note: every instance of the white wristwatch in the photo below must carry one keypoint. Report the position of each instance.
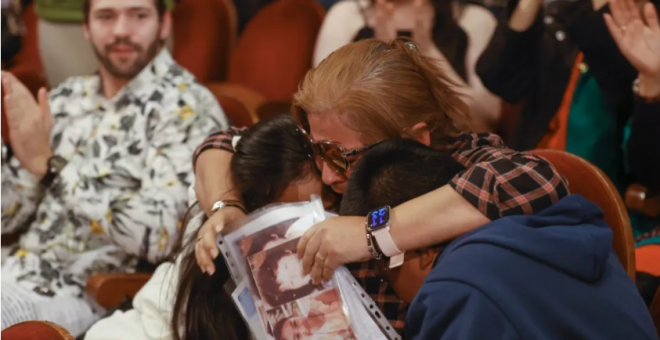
(378, 225)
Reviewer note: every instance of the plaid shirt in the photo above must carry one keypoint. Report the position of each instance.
(497, 181)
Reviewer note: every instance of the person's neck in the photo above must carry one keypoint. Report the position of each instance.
(110, 84)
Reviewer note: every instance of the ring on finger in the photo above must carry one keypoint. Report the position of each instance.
(320, 257)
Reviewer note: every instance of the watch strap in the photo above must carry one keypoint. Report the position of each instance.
(371, 244)
(55, 165)
(385, 242)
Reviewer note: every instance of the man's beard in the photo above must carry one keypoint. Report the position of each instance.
(142, 60)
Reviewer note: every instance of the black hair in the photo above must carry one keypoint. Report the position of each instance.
(268, 158)
(161, 7)
(202, 308)
(394, 172)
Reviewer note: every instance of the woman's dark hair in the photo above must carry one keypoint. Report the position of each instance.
(266, 278)
(202, 308)
(268, 158)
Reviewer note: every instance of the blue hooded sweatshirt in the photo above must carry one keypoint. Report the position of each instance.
(552, 275)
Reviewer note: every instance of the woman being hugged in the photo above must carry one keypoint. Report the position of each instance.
(367, 92)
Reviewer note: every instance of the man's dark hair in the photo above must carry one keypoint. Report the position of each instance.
(161, 7)
(395, 172)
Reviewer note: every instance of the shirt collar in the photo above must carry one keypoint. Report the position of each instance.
(155, 70)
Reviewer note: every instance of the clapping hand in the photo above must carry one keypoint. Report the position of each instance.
(30, 124)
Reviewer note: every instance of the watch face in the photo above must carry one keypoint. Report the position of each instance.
(379, 218)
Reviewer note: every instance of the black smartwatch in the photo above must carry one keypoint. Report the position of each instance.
(55, 165)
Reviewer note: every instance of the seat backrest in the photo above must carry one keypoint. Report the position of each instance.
(276, 48)
(204, 36)
(590, 182)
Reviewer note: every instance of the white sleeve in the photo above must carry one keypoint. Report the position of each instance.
(151, 314)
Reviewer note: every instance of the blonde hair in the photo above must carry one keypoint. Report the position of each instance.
(382, 90)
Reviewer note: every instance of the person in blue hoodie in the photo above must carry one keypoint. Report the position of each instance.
(553, 275)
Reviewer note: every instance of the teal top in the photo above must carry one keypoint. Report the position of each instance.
(593, 135)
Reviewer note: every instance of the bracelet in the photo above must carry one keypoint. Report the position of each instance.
(370, 244)
(228, 203)
(635, 90)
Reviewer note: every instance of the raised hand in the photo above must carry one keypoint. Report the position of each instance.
(385, 29)
(30, 124)
(638, 38)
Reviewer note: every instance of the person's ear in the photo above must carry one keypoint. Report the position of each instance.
(166, 25)
(421, 133)
(86, 31)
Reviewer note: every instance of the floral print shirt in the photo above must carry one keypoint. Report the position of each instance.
(124, 189)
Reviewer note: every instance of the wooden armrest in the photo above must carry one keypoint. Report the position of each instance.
(655, 311)
(110, 290)
(33, 330)
(638, 198)
(251, 99)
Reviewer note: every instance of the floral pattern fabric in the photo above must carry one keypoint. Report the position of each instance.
(124, 189)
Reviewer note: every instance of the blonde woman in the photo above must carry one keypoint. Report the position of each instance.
(364, 93)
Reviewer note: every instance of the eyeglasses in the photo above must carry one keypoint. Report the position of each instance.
(331, 153)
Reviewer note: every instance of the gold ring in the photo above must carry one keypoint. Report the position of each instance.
(199, 238)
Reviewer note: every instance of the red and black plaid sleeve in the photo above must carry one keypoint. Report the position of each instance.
(219, 140)
(501, 182)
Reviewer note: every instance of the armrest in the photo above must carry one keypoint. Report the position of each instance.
(42, 330)
(654, 309)
(638, 198)
(250, 99)
(110, 290)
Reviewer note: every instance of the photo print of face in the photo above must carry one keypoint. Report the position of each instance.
(278, 274)
(322, 319)
(260, 241)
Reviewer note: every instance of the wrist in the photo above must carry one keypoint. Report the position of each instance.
(228, 204)
(40, 167)
(648, 86)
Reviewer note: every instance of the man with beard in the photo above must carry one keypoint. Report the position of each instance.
(98, 169)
